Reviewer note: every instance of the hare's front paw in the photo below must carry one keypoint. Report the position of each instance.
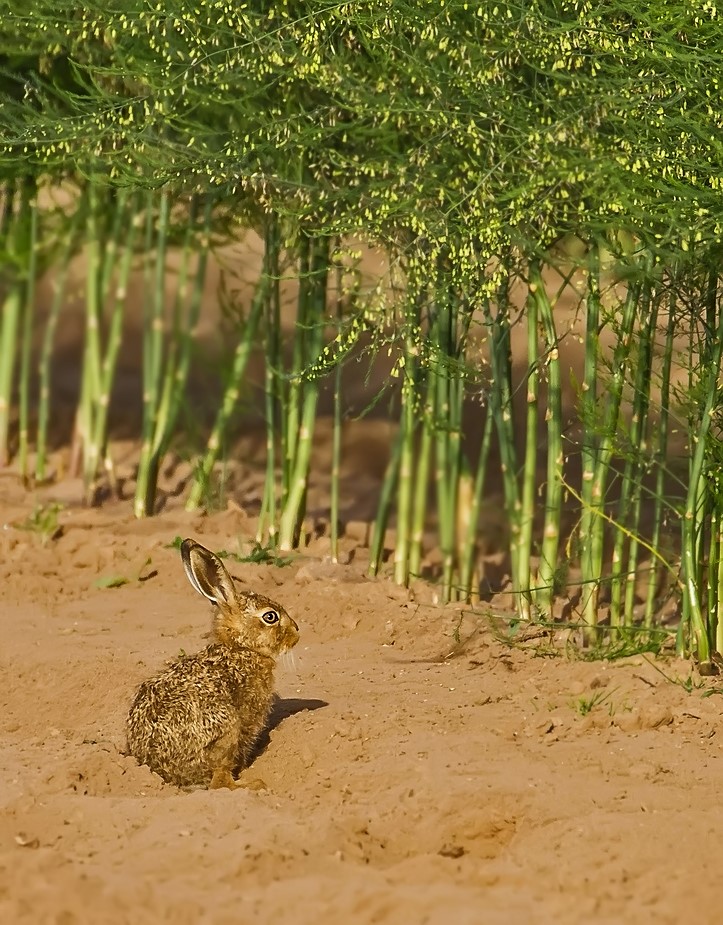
(224, 779)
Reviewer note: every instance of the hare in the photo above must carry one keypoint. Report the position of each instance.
(197, 721)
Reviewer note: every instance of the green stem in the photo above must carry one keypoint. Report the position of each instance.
(300, 348)
(230, 396)
(272, 381)
(421, 482)
(718, 577)
(691, 523)
(404, 484)
(389, 486)
(713, 521)
(502, 412)
(312, 301)
(446, 508)
(185, 325)
(46, 356)
(91, 386)
(27, 337)
(548, 567)
(470, 544)
(10, 322)
(529, 472)
(15, 228)
(594, 538)
(455, 379)
(660, 458)
(590, 441)
(336, 429)
(639, 436)
(626, 519)
(290, 522)
(124, 227)
(155, 270)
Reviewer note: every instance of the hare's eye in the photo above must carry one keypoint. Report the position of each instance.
(270, 617)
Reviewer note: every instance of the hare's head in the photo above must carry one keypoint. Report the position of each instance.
(242, 617)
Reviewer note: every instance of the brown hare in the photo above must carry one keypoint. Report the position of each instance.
(196, 722)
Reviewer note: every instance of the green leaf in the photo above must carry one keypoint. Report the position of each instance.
(111, 581)
(117, 581)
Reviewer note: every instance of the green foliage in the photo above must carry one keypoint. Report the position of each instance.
(44, 521)
(463, 128)
(117, 581)
(689, 683)
(258, 555)
(585, 705)
(467, 141)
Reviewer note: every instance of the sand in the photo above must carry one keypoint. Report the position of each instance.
(423, 763)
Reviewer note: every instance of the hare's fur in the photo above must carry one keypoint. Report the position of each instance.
(200, 717)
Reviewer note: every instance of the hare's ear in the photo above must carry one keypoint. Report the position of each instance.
(207, 573)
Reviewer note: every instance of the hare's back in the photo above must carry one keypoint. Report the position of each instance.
(197, 691)
(215, 675)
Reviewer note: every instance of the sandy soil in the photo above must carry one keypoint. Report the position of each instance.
(510, 782)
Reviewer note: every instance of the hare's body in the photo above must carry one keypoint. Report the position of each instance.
(197, 721)
(204, 712)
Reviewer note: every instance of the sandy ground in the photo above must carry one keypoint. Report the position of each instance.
(511, 782)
